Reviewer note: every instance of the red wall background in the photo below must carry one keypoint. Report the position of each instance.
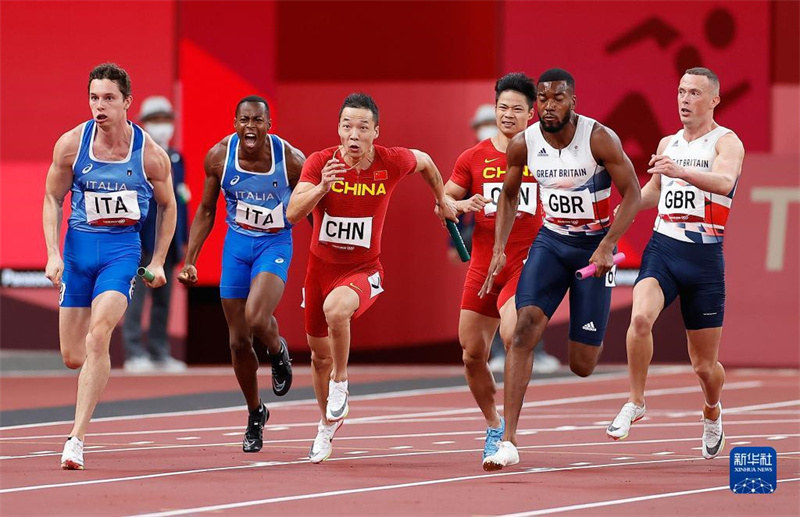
(428, 64)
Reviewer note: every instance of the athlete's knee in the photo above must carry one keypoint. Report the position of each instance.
(337, 314)
(73, 360)
(98, 339)
(704, 369)
(472, 358)
(321, 362)
(641, 324)
(260, 325)
(240, 344)
(582, 368)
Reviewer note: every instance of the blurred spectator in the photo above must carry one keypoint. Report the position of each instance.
(157, 118)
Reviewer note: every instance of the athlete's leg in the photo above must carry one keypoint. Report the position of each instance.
(704, 354)
(339, 307)
(107, 310)
(583, 357)
(508, 321)
(73, 326)
(648, 302)
(265, 293)
(245, 361)
(531, 322)
(321, 367)
(475, 333)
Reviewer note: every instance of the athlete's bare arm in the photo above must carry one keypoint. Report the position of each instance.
(445, 209)
(306, 195)
(294, 164)
(57, 184)
(724, 171)
(455, 194)
(158, 168)
(516, 158)
(607, 150)
(203, 220)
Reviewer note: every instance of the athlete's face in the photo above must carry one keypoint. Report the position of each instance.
(697, 98)
(107, 102)
(555, 102)
(512, 112)
(357, 131)
(251, 124)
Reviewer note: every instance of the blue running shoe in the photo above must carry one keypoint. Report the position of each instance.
(494, 435)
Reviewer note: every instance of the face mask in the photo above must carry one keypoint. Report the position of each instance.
(487, 132)
(161, 132)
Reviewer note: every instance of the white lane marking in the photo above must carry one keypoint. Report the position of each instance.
(599, 377)
(580, 463)
(319, 495)
(444, 442)
(357, 452)
(398, 447)
(188, 438)
(740, 443)
(621, 458)
(663, 453)
(613, 502)
(143, 442)
(745, 409)
(780, 437)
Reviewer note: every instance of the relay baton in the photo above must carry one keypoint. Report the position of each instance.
(146, 274)
(586, 272)
(459, 242)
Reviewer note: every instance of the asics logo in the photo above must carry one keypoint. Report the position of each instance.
(235, 180)
(87, 169)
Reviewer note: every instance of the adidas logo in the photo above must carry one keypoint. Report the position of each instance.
(542, 152)
(675, 144)
(590, 327)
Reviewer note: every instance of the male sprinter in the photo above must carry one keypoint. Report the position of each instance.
(256, 172)
(348, 189)
(575, 160)
(478, 174)
(113, 168)
(695, 173)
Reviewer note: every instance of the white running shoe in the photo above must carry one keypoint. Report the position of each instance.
(505, 456)
(322, 448)
(337, 407)
(713, 436)
(621, 426)
(72, 457)
(142, 364)
(170, 365)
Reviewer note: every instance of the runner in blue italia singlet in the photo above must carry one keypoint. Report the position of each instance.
(256, 172)
(110, 200)
(113, 170)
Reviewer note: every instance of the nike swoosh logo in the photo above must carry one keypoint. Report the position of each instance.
(487, 160)
(715, 449)
(611, 428)
(338, 412)
(279, 385)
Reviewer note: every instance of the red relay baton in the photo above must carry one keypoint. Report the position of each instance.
(586, 272)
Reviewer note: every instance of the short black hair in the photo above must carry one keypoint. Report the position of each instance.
(517, 82)
(557, 74)
(112, 72)
(712, 77)
(360, 101)
(252, 98)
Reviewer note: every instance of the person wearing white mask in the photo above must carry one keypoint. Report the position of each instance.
(157, 118)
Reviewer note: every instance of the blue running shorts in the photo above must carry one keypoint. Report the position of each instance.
(244, 257)
(550, 271)
(97, 262)
(695, 272)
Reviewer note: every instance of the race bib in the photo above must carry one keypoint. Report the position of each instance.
(259, 218)
(681, 202)
(351, 231)
(611, 277)
(375, 287)
(568, 204)
(527, 197)
(120, 208)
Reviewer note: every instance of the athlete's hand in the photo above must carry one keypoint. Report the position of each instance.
(474, 204)
(446, 209)
(495, 266)
(603, 259)
(160, 278)
(662, 164)
(188, 275)
(331, 173)
(54, 270)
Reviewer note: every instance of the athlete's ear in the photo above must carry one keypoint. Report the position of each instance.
(574, 101)
(715, 102)
(127, 102)
(377, 131)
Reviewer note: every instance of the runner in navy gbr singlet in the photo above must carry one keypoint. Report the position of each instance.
(256, 172)
(113, 168)
(575, 161)
(695, 174)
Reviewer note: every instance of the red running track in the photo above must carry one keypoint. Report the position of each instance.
(419, 453)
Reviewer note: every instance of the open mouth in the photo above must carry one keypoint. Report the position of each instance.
(250, 138)
(100, 117)
(685, 111)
